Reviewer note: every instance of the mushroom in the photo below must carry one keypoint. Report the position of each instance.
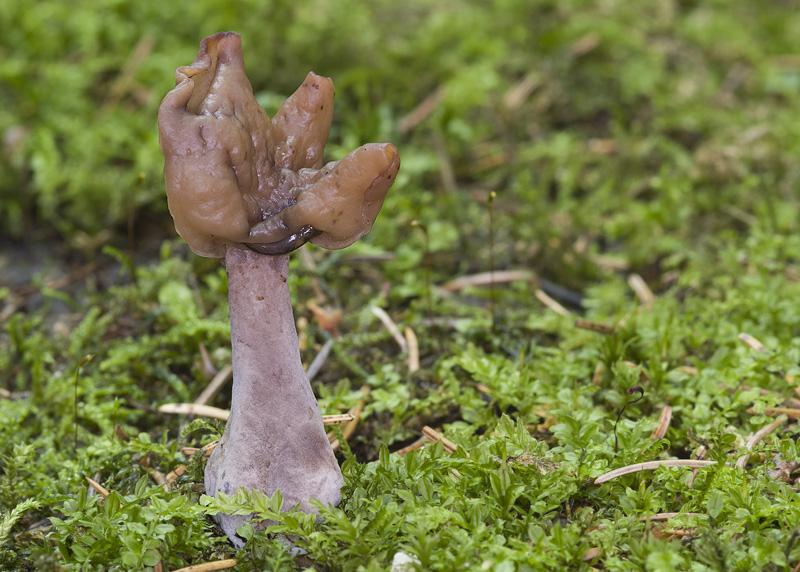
(249, 189)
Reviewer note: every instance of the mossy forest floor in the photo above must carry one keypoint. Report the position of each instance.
(604, 272)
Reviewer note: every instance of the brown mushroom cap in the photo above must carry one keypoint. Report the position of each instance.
(206, 146)
(235, 176)
(343, 203)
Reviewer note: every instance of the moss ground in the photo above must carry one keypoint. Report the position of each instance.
(625, 172)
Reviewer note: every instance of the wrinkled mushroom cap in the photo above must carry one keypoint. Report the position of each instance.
(235, 176)
(343, 203)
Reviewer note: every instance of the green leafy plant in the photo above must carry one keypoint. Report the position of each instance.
(133, 531)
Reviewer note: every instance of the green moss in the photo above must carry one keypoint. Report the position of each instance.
(619, 138)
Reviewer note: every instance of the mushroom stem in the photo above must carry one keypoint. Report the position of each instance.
(274, 438)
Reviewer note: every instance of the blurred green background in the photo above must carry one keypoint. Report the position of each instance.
(636, 129)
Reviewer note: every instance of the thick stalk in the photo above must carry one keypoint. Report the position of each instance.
(274, 438)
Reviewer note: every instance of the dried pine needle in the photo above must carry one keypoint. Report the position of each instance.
(319, 360)
(209, 566)
(591, 554)
(663, 423)
(542, 296)
(418, 444)
(387, 321)
(790, 412)
(100, 489)
(340, 419)
(434, 435)
(750, 341)
(594, 327)
(487, 279)
(223, 414)
(216, 385)
(158, 477)
(350, 426)
(641, 289)
(194, 409)
(175, 473)
(413, 350)
(207, 449)
(650, 466)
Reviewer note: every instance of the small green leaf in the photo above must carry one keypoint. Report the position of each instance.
(715, 504)
(151, 557)
(137, 528)
(276, 503)
(246, 531)
(80, 552)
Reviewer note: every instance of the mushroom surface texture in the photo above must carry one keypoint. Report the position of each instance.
(250, 189)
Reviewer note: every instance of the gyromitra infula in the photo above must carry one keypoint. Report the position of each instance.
(250, 189)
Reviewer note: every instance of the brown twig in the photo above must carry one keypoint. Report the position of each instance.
(671, 533)
(171, 477)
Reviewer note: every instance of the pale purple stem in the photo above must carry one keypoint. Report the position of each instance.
(274, 438)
